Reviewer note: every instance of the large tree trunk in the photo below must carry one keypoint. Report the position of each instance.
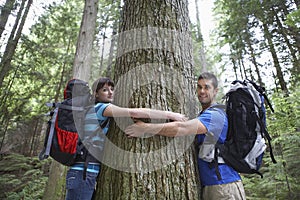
(153, 69)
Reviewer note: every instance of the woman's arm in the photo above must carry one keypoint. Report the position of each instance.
(172, 129)
(116, 111)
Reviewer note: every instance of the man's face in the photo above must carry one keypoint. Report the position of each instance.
(206, 92)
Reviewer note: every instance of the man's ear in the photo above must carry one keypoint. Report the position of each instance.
(216, 90)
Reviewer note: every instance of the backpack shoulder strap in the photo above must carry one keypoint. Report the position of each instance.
(46, 151)
(220, 106)
(104, 123)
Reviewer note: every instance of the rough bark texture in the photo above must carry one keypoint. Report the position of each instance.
(83, 57)
(154, 70)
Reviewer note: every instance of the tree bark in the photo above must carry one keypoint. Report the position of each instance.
(154, 70)
(55, 189)
(83, 57)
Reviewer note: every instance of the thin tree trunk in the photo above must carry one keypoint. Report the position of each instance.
(153, 69)
(5, 117)
(295, 61)
(235, 67)
(103, 44)
(111, 50)
(253, 58)
(13, 40)
(279, 75)
(5, 12)
(203, 60)
(34, 136)
(4, 131)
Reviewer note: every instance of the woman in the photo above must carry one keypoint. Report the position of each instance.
(103, 92)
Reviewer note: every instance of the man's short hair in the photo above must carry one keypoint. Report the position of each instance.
(209, 76)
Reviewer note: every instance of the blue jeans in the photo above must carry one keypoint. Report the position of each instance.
(77, 188)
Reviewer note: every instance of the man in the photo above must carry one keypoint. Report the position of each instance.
(218, 181)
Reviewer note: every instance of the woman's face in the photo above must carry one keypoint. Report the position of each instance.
(105, 94)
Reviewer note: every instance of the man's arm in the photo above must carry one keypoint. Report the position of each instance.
(116, 111)
(172, 129)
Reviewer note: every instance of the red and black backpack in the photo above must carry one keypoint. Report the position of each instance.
(66, 125)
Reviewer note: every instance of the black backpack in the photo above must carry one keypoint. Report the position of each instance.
(245, 144)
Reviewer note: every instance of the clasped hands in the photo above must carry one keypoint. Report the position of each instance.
(142, 129)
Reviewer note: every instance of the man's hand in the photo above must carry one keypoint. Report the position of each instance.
(177, 117)
(137, 129)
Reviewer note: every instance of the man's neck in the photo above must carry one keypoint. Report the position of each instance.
(205, 106)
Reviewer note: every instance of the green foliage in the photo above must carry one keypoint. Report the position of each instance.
(287, 115)
(41, 65)
(293, 19)
(281, 180)
(252, 35)
(23, 177)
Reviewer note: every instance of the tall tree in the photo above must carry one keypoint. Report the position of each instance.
(5, 12)
(81, 69)
(153, 69)
(13, 39)
(266, 22)
(83, 57)
(200, 40)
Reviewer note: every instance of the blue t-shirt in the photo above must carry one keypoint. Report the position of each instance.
(96, 128)
(215, 121)
(95, 117)
(95, 137)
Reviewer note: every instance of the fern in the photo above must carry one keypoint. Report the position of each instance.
(22, 177)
